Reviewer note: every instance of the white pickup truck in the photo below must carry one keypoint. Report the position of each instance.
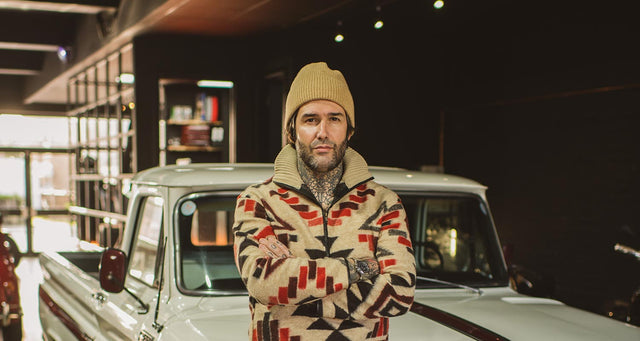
(175, 278)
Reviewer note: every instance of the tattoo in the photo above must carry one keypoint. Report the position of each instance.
(322, 185)
(354, 276)
(362, 269)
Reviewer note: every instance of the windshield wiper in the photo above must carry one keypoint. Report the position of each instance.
(452, 284)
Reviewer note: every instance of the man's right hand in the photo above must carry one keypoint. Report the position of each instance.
(273, 248)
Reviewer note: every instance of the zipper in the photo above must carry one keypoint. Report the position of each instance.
(325, 222)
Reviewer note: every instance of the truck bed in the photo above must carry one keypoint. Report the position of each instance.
(87, 261)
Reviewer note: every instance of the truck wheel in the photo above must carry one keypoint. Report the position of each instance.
(12, 332)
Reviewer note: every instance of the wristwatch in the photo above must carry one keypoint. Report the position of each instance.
(362, 268)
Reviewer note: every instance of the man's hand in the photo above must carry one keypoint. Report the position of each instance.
(273, 248)
(362, 269)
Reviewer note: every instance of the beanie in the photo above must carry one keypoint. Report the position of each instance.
(317, 81)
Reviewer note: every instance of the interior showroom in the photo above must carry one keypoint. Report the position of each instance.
(319, 170)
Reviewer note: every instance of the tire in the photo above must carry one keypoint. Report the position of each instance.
(12, 332)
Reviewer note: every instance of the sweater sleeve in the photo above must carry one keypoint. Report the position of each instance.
(289, 281)
(391, 292)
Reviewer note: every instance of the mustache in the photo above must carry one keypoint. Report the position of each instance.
(316, 143)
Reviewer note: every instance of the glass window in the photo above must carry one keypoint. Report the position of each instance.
(453, 240)
(206, 243)
(50, 181)
(143, 264)
(452, 235)
(12, 181)
(43, 131)
(13, 197)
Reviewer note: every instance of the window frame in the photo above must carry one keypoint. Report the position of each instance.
(178, 252)
(132, 248)
(496, 259)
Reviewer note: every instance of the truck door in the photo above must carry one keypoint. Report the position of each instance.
(122, 313)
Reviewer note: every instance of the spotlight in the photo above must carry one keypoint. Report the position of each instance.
(378, 23)
(338, 38)
(438, 4)
(63, 53)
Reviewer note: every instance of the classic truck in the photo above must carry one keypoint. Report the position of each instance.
(174, 276)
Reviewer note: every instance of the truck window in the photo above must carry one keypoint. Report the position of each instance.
(454, 240)
(204, 226)
(143, 264)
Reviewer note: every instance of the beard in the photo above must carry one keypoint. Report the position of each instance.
(323, 163)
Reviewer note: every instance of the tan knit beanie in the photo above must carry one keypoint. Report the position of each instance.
(316, 81)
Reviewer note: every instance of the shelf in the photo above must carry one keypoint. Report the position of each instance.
(194, 149)
(193, 122)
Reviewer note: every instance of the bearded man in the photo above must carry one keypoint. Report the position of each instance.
(323, 250)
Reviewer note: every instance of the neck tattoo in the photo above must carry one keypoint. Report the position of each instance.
(322, 185)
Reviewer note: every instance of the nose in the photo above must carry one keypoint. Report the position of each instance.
(322, 130)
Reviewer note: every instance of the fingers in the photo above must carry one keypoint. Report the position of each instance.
(273, 248)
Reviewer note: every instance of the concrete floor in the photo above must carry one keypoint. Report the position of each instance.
(30, 276)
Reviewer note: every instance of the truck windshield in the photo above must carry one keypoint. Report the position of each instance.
(205, 246)
(452, 235)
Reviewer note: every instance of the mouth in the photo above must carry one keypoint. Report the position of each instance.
(323, 148)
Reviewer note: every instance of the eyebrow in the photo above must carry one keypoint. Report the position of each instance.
(312, 113)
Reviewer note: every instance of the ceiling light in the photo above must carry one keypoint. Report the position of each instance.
(338, 38)
(63, 53)
(378, 23)
(215, 84)
(438, 4)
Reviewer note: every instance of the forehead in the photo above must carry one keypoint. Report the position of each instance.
(321, 106)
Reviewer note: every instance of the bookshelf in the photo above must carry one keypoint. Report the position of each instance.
(195, 120)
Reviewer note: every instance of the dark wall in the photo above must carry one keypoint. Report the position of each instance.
(553, 135)
(10, 93)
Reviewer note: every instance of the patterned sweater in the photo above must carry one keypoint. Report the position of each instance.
(308, 297)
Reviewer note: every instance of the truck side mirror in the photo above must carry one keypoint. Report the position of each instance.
(113, 270)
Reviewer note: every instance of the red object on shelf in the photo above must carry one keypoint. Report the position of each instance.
(195, 135)
(214, 108)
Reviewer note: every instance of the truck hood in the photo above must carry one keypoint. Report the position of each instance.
(449, 315)
(220, 318)
(503, 313)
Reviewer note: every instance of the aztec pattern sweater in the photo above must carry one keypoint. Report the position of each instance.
(309, 297)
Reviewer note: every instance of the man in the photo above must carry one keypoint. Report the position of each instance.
(323, 250)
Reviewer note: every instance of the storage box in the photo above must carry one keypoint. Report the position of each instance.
(195, 135)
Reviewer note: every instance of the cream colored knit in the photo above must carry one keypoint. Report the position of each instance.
(317, 81)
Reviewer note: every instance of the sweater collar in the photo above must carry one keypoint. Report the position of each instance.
(356, 169)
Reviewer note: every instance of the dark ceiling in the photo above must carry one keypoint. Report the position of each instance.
(33, 79)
